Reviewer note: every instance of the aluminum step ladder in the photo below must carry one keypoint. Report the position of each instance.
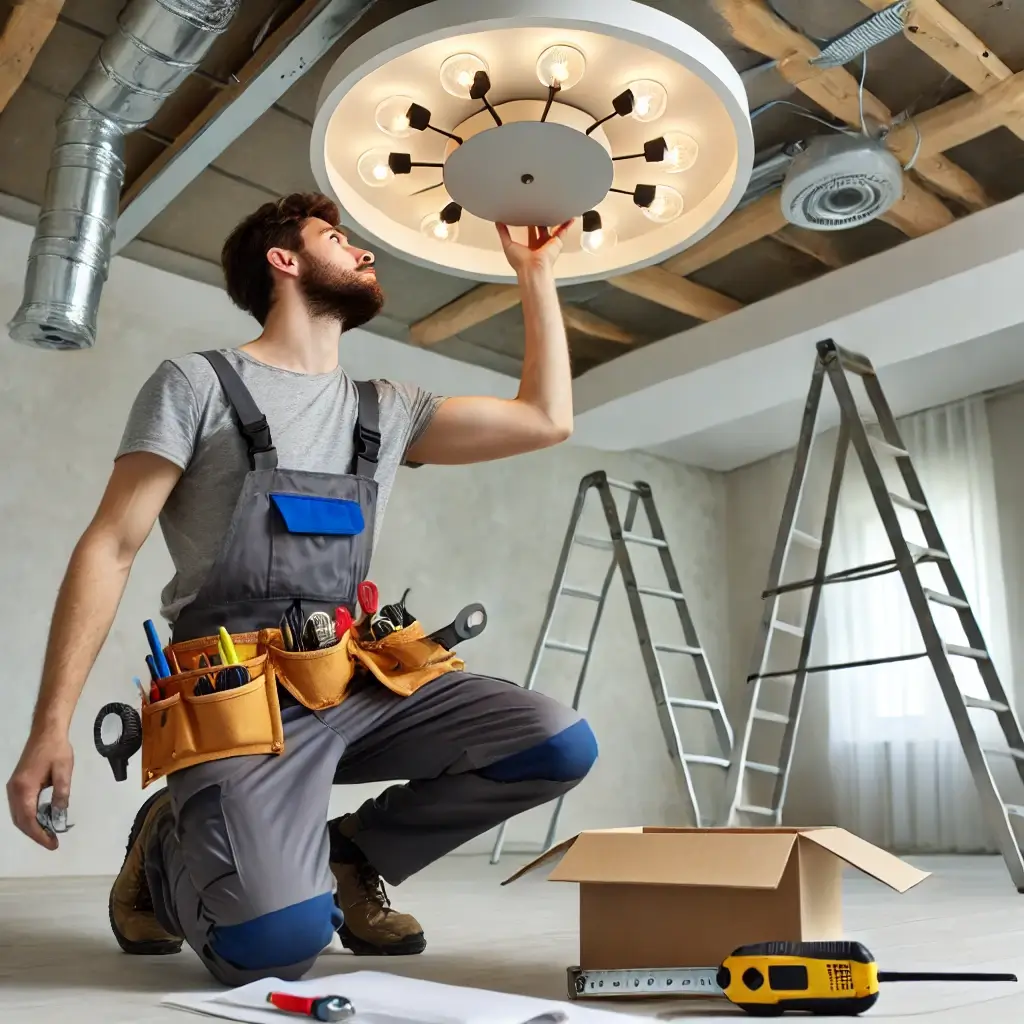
(621, 537)
(838, 364)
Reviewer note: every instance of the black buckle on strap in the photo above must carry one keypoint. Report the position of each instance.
(258, 436)
(367, 443)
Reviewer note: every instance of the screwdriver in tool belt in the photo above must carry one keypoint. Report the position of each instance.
(369, 600)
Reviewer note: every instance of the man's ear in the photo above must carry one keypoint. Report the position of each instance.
(283, 260)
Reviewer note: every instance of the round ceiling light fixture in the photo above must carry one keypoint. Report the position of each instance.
(460, 113)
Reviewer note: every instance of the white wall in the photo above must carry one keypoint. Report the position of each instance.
(490, 533)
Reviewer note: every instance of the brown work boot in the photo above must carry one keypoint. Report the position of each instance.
(371, 927)
(132, 918)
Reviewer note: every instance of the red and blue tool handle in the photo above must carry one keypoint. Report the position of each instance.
(325, 1008)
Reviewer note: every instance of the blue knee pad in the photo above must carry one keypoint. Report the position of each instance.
(281, 938)
(565, 757)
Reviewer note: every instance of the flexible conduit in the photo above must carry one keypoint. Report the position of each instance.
(873, 30)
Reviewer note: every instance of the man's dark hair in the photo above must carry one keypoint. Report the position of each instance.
(247, 274)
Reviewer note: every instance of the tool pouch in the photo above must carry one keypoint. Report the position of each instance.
(182, 730)
(405, 660)
(316, 679)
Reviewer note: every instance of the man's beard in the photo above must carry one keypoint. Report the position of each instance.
(351, 296)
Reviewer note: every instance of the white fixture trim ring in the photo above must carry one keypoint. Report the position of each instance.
(642, 185)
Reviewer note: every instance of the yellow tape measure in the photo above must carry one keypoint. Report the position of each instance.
(770, 978)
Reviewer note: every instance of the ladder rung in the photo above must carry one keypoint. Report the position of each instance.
(771, 716)
(695, 652)
(621, 485)
(639, 538)
(699, 705)
(765, 812)
(985, 705)
(904, 502)
(1017, 755)
(1014, 809)
(601, 543)
(946, 599)
(788, 627)
(806, 539)
(668, 595)
(766, 769)
(558, 645)
(889, 449)
(718, 762)
(967, 652)
(920, 554)
(588, 595)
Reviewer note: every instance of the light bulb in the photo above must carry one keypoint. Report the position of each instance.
(458, 72)
(373, 168)
(392, 116)
(433, 227)
(667, 205)
(598, 241)
(649, 99)
(681, 152)
(561, 65)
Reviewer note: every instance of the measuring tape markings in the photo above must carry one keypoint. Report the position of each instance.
(683, 981)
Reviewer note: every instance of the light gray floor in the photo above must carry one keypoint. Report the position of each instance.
(58, 961)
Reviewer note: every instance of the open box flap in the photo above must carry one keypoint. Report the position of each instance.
(555, 853)
(860, 854)
(676, 858)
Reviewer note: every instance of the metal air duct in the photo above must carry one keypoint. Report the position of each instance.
(157, 44)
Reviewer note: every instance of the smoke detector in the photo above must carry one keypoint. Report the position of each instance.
(840, 181)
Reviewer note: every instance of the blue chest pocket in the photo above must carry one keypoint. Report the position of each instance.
(311, 514)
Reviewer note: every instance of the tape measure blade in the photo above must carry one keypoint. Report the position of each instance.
(658, 981)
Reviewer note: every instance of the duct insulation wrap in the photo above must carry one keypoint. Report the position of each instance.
(156, 45)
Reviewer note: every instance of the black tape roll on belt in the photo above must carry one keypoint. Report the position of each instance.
(127, 744)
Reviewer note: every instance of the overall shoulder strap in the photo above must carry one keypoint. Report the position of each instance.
(251, 422)
(367, 433)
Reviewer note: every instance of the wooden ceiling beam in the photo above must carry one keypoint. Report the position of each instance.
(816, 244)
(595, 326)
(961, 120)
(756, 26)
(468, 310)
(954, 47)
(667, 289)
(28, 26)
(752, 222)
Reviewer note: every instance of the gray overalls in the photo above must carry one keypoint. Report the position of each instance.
(242, 872)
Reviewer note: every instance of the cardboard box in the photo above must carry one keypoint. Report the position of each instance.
(684, 897)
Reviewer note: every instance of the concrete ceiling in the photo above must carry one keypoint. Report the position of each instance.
(271, 158)
(990, 363)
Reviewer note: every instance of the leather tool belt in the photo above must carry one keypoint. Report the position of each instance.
(183, 729)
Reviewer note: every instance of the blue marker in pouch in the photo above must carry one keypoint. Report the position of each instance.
(162, 668)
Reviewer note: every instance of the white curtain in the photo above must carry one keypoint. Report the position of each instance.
(899, 776)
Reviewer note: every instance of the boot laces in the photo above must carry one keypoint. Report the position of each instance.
(373, 887)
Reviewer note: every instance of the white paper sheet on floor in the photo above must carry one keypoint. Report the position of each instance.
(389, 999)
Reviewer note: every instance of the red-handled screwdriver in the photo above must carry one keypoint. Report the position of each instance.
(325, 1008)
(369, 597)
(342, 621)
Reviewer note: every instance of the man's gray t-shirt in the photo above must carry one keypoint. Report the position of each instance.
(182, 414)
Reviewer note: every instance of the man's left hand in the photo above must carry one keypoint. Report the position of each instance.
(542, 247)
